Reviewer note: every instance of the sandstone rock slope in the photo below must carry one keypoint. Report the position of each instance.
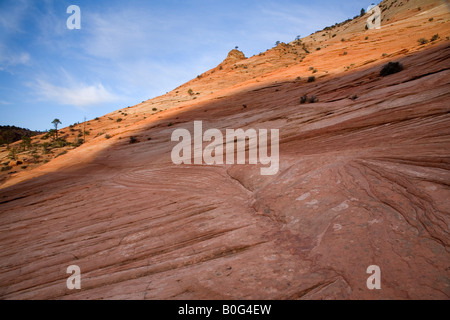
(364, 180)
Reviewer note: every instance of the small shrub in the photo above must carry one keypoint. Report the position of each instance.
(46, 148)
(366, 38)
(311, 79)
(13, 154)
(78, 143)
(345, 53)
(119, 120)
(435, 37)
(422, 41)
(155, 109)
(391, 68)
(60, 143)
(107, 136)
(61, 154)
(354, 97)
(36, 158)
(170, 124)
(303, 99)
(191, 92)
(133, 140)
(23, 167)
(7, 168)
(431, 19)
(313, 99)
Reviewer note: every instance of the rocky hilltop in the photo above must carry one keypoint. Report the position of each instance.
(363, 180)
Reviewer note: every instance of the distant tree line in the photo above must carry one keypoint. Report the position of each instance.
(11, 134)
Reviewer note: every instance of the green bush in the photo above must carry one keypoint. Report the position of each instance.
(422, 41)
(78, 143)
(435, 37)
(46, 148)
(13, 154)
(26, 142)
(60, 143)
(311, 79)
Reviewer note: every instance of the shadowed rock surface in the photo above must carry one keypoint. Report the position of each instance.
(364, 180)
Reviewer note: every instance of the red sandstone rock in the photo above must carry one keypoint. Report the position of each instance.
(362, 182)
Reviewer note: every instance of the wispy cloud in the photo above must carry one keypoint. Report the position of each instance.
(8, 58)
(78, 95)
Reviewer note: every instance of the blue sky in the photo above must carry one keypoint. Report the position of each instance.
(130, 51)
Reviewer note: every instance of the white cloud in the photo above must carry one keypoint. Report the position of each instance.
(79, 95)
(11, 59)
